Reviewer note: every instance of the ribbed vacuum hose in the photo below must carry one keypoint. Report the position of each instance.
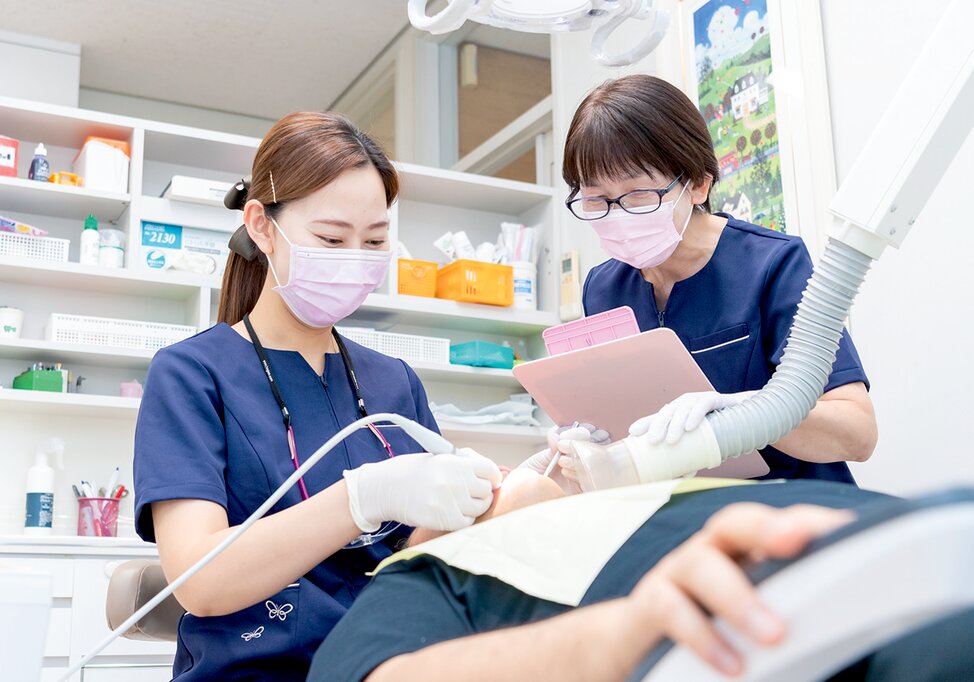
(797, 384)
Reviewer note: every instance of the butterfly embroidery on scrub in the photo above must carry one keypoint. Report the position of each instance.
(247, 636)
(279, 612)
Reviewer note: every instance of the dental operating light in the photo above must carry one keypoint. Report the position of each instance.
(552, 16)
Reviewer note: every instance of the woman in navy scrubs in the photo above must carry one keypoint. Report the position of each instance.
(640, 164)
(222, 409)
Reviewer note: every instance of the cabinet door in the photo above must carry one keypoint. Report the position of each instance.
(62, 583)
(89, 625)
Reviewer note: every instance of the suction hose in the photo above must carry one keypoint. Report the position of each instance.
(774, 411)
(798, 382)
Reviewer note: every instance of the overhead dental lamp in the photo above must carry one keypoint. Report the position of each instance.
(552, 16)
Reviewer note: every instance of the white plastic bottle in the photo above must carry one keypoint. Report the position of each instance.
(90, 242)
(39, 515)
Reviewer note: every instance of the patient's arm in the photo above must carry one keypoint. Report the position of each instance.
(520, 488)
(607, 641)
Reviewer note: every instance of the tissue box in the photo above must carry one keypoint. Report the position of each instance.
(186, 249)
(104, 164)
(196, 190)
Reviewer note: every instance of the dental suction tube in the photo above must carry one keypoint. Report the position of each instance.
(432, 442)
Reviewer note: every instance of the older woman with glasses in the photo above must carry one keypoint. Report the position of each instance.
(640, 164)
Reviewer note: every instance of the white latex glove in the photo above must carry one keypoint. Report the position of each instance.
(438, 492)
(684, 414)
(559, 441)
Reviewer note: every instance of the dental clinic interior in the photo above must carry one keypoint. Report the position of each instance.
(565, 238)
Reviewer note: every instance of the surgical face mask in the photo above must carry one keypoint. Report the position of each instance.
(642, 240)
(327, 285)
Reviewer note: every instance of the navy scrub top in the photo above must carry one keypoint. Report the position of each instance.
(209, 429)
(734, 316)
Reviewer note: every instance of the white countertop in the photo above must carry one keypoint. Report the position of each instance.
(72, 544)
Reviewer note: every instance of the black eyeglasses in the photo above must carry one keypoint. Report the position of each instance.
(638, 202)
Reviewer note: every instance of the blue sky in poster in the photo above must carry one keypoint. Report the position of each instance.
(724, 28)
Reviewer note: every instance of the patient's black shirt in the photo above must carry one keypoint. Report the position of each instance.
(413, 604)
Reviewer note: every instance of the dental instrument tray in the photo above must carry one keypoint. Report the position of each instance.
(613, 384)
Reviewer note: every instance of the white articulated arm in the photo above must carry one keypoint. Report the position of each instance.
(846, 600)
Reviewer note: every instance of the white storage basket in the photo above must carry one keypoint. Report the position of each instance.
(408, 347)
(48, 249)
(111, 333)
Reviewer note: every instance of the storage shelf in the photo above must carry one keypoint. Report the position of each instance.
(18, 195)
(104, 406)
(436, 312)
(482, 376)
(502, 434)
(67, 404)
(74, 354)
(465, 190)
(92, 278)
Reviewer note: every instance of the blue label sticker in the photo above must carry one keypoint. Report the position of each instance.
(40, 510)
(522, 286)
(162, 235)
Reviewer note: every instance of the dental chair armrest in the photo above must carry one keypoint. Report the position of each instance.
(889, 573)
(132, 585)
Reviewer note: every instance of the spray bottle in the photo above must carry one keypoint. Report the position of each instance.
(40, 488)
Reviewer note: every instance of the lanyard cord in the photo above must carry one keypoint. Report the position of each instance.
(285, 413)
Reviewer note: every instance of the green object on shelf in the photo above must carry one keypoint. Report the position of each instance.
(40, 380)
(482, 354)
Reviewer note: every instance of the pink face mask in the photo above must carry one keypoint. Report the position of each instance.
(641, 240)
(327, 285)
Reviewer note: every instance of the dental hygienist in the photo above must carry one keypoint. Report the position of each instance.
(228, 415)
(640, 164)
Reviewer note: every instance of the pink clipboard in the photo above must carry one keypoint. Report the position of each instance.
(615, 383)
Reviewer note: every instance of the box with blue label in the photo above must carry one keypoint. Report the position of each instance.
(185, 249)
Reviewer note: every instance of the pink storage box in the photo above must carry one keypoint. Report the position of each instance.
(589, 331)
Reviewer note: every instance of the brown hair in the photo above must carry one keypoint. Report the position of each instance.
(634, 125)
(305, 151)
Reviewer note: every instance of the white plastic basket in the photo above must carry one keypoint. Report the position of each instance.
(50, 249)
(111, 333)
(408, 347)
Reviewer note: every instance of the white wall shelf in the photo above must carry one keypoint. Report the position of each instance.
(467, 191)
(48, 403)
(514, 436)
(431, 371)
(442, 314)
(124, 281)
(73, 353)
(18, 195)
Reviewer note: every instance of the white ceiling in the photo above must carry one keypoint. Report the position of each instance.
(255, 57)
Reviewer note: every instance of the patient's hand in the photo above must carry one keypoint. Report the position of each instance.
(704, 575)
(520, 488)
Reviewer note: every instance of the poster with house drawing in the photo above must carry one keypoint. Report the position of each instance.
(731, 65)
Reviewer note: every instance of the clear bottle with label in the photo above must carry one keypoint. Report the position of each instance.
(39, 516)
(90, 242)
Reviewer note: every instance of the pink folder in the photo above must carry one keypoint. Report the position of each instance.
(613, 384)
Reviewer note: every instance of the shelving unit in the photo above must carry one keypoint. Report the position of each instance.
(431, 202)
(64, 201)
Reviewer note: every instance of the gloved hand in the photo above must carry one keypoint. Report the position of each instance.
(438, 492)
(684, 414)
(559, 441)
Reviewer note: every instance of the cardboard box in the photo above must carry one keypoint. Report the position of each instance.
(185, 249)
(103, 164)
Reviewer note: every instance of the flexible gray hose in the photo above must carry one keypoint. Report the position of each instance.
(798, 382)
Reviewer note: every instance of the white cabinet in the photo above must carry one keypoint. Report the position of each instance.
(80, 570)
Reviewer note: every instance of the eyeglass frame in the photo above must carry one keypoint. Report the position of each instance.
(572, 199)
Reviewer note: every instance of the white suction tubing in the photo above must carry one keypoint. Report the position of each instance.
(433, 442)
(798, 382)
